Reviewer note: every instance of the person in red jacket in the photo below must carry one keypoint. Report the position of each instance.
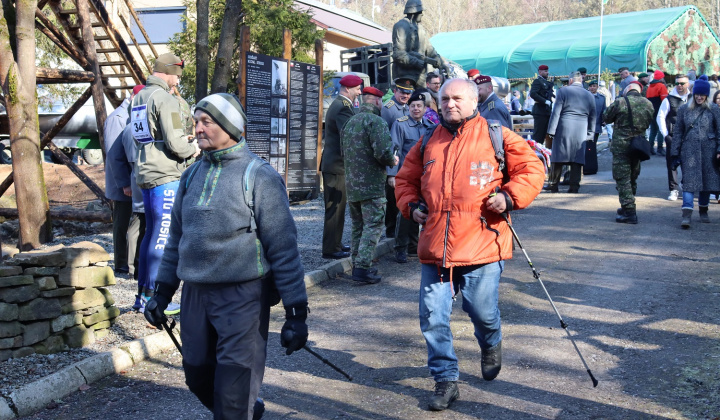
(464, 241)
(657, 91)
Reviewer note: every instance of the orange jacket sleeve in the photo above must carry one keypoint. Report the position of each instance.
(407, 181)
(525, 170)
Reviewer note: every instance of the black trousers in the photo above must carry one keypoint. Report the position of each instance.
(391, 211)
(122, 212)
(556, 173)
(540, 128)
(335, 202)
(672, 174)
(407, 233)
(224, 334)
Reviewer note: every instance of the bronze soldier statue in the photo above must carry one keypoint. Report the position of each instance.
(412, 50)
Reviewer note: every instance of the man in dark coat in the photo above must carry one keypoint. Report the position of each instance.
(572, 122)
(541, 91)
(489, 105)
(599, 108)
(333, 168)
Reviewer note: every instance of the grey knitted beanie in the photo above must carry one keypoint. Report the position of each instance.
(227, 111)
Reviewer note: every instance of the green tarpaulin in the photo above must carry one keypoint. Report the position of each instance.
(673, 40)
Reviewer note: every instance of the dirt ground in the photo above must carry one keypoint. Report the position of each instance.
(641, 302)
(63, 187)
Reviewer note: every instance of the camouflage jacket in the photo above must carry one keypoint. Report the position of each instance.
(624, 130)
(367, 150)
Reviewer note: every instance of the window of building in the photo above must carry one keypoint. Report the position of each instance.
(160, 23)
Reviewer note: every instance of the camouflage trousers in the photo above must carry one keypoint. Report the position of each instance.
(367, 225)
(625, 173)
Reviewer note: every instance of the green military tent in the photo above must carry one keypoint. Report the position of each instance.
(673, 40)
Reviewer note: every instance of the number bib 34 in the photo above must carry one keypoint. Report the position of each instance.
(139, 125)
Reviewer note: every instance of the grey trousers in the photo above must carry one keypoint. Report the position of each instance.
(224, 334)
(135, 235)
(122, 211)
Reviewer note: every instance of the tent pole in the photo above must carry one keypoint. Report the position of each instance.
(602, 12)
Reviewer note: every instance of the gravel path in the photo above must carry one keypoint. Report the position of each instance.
(130, 325)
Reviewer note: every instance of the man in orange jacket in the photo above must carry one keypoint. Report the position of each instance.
(464, 241)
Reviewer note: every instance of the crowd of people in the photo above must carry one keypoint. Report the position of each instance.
(437, 167)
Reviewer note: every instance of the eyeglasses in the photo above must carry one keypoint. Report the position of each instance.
(682, 83)
(181, 64)
(434, 83)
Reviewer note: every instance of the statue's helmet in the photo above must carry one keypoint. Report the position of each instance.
(413, 6)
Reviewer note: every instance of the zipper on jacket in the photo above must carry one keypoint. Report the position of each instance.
(447, 219)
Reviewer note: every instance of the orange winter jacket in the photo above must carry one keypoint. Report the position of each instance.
(460, 230)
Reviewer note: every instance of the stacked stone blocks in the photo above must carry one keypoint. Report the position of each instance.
(54, 299)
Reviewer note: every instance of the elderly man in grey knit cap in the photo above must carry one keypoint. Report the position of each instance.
(237, 257)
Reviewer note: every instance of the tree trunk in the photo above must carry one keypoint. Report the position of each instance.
(202, 53)
(18, 83)
(228, 36)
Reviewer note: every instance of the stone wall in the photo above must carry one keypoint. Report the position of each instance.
(54, 299)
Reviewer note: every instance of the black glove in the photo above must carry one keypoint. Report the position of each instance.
(432, 61)
(294, 334)
(155, 310)
(668, 139)
(675, 162)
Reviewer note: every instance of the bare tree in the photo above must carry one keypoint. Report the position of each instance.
(17, 77)
(202, 54)
(228, 38)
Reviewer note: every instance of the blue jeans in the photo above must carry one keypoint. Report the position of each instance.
(158, 203)
(479, 287)
(655, 134)
(689, 197)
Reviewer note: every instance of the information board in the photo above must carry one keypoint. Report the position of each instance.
(283, 116)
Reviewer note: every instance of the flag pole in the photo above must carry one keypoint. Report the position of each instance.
(602, 12)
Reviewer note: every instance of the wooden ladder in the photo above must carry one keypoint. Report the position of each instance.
(119, 68)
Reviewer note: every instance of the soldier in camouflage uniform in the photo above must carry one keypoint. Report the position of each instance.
(626, 170)
(367, 150)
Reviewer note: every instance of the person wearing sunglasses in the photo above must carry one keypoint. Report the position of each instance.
(164, 151)
(666, 116)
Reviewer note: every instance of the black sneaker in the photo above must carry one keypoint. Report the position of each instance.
(491, 362)
(401, 257)
(445, 393)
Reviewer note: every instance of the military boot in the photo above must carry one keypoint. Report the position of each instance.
(686, 216)
(365, 275)
(628, 216)
(704, 218)
(491, 362)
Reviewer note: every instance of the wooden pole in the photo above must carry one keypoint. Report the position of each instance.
(17, 78)
(44, 25)
(49, 76)
(52, 133)
(242, 74)
(66, 214)
(90, 54)
(140, 26)
(79, 173)
(132, 37)
(287, 55)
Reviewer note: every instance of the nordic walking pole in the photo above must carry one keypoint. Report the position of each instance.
(563, 324)
(326, 361)
(170, 333)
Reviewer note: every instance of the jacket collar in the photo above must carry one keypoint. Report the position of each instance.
(232, 152)
(454, 128)
(370, 109)
(154, 80)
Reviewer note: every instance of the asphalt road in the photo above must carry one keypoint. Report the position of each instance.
(641, 302)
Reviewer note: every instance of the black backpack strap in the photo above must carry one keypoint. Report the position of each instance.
(248, 185)
(498, 144)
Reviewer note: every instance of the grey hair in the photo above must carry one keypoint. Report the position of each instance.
(470, 85)
(575, 76)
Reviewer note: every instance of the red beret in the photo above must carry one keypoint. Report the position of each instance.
(543, 67)
(483, 79)
(372, 91)
(351, 81)
(473, 72)
(137, 89)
